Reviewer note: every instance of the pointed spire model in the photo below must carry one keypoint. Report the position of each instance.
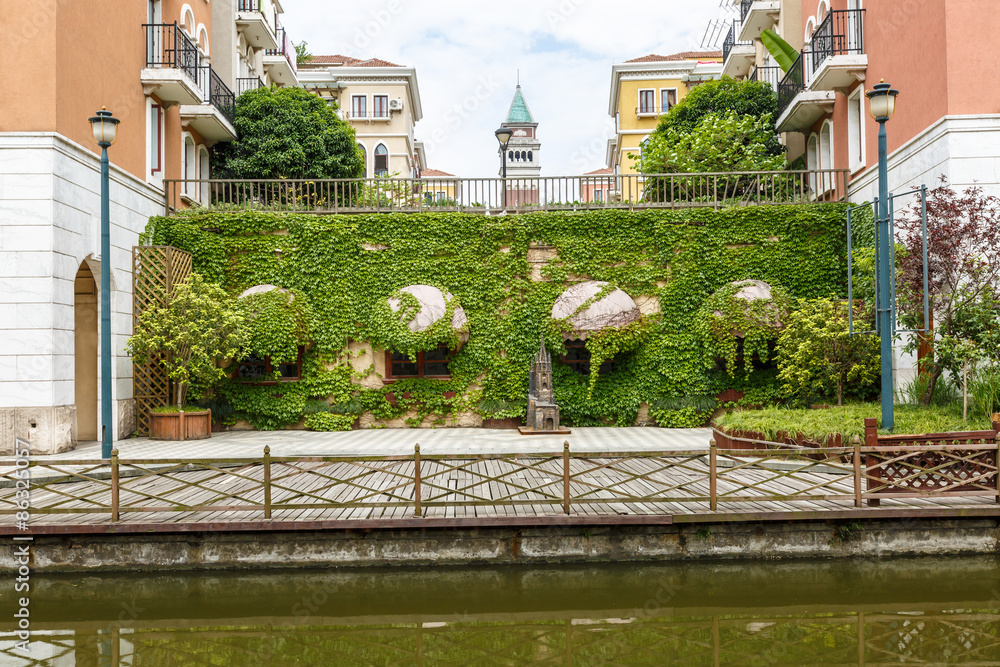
(543, 413)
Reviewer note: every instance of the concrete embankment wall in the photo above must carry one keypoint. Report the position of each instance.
(509, 545)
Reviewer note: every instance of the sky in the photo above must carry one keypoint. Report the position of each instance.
(467, 55)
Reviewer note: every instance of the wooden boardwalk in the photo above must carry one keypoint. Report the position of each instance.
(564, 488)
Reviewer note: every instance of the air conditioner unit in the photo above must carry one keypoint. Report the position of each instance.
(396, 104)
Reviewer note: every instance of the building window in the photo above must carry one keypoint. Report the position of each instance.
(441, 196)
(189, 166)
(155, 138)
(381, 160)
(826, 155)
(577, 357)
(429, 364)
(856, 129)
(668, 98)
(812, 160)
(380, 106)
(531, 156)
(359, 106)
(260, 370)
(598, 195)
(204, 169)
(647, 101)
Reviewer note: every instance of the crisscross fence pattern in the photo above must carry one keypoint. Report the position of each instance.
(772, 478)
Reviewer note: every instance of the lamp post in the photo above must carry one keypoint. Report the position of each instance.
(105, 129)
(503, 136)
(882, 105)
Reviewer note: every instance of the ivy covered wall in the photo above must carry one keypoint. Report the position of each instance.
(505, 272)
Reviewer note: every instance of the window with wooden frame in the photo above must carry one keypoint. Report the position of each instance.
(155, 134)
(647, 101)
(257, 370)
(577, 357)
(359, 106)
(429, 364)
(380, 106)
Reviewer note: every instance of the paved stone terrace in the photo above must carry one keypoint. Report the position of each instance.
(394, 442)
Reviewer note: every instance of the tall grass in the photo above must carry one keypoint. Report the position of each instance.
(984, 392)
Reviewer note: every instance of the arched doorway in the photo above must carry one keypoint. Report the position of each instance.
(85, 353)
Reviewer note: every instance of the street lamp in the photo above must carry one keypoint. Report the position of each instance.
(503, 136)
(882, 106)
(105, 129)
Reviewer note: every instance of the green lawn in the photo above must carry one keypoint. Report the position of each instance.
(849, 420)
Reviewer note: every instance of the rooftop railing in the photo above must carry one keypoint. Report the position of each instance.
(492, 195)
(840, 33)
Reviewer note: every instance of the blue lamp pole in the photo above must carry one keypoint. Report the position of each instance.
(105, 129)
(882, 105)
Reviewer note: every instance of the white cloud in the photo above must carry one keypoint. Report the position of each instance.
(467, 55)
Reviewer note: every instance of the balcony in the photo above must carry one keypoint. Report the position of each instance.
(839, 51)
(214, 118)
(769, 75)
(757, 16)
(798, 106)
(652, 111)
(172, 60)
(737, 56)
(281, 63)
(250, 21)
(243, 84)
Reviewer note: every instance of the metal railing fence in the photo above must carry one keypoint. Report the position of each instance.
(550, 193)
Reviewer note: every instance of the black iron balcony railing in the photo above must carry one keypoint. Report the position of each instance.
(243, 84)
(217, 93)
(840, 33)
(248, 5)
(280, 51)
(732, 40)
(793, 83)
(771, 75)
(168, 46)
(653, 109)
(745, 6)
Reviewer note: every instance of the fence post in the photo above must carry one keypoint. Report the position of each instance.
(566, 476)
(416, 478)
(857, 471)
(267, 481)
(114, 484)
(712, 476)
(996, 459)
(872, 474)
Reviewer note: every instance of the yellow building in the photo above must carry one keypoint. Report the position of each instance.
(644, 89)
(380, 100)
(439, 188)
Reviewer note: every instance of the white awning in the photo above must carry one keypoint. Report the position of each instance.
(433, 306)
(614, 309)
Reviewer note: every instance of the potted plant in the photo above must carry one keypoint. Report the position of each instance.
(198, 327)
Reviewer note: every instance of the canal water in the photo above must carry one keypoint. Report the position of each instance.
(940, 611)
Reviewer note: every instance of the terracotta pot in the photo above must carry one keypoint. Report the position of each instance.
(180, 425)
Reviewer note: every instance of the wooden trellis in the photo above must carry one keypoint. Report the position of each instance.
(155, 272)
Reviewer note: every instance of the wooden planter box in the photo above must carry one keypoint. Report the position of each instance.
(180, 425)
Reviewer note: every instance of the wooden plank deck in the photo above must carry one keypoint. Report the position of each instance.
(669, 488)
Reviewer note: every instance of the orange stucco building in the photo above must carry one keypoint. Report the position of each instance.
(170, 71)
(947, 121)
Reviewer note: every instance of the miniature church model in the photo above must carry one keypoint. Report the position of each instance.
(543, 413)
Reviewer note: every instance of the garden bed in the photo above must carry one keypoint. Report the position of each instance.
(815, 427)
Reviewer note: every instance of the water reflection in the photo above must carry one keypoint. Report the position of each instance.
(903, 612)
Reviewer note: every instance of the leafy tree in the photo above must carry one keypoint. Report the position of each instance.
(722, 142)
(302, 54)
(743, 98)
(198, 328)
(288, 133)
(963, 266)
(818, 357)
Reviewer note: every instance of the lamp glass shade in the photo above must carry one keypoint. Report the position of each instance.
(503, 135)
(882, 102)
(105, 128)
